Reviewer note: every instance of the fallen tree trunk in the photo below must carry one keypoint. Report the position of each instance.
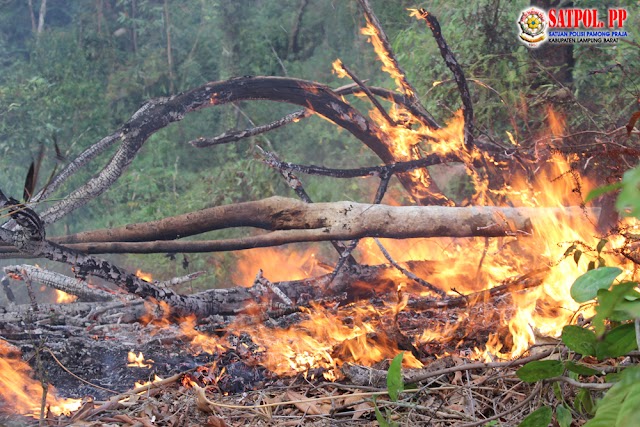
(294, 221)
(334, 221)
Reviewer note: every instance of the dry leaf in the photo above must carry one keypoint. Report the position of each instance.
(307, 407)
(214, 421)
(632, 122)
(361, 409)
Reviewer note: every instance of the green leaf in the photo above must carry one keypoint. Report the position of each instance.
(540, 370)
(541, 417)
(557, 391)
(617, 342)
(580, 340)
(583, 402)
(394, 378)
(563, 416)
(628, 203)
(580, 369)
(586, 287)
(382, 421)
(608, 302)
(597, 192)
(630, 308)
(619, 406)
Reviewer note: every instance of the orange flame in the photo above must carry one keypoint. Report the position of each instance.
(64, 298)
(388, 64)
(277, 265)
(138, 361)
(22, 394)
(147, 277)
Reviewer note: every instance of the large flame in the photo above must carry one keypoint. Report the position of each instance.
(21, 394)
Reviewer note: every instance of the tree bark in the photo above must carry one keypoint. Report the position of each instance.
(41, 15)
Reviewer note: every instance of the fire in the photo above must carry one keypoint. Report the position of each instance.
(64, 298)
(277, 265)
(21, 394)
(140, 384)
(388, 64)
(327, 337)
(138, 361)
(147, 277)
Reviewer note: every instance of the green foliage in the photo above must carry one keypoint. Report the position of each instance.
(628, 202)
(580, 340)
(539, 370)
(563, 416)
(586, 287)
(541, 417)
(395, 384)
(612, 334)
(619, 407)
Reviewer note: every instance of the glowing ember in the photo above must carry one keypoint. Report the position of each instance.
(147, 277)
(138, 361)
(21, 394)
(64, 298)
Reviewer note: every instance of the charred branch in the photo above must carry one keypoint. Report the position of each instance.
(456, 69)
(159, 113)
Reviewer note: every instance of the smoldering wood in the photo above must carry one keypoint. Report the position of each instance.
(77, 313)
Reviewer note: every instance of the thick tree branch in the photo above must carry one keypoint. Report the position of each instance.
(337, 219)
(158, 113)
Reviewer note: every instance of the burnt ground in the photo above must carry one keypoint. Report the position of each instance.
(98, 355)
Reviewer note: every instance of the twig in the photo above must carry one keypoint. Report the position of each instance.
(590, 386)
(519, 283)
(182, 279)
(456, 69)
(392, 168)
(233, 136)
(70, 285)
(408, 273)
(260, 279)
(512, 409)
(481, 365)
